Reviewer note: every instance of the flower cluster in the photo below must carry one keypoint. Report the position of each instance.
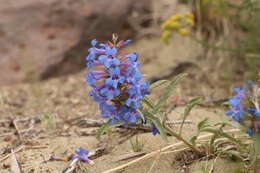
(245, 107)
(116, 81)
(179, 23)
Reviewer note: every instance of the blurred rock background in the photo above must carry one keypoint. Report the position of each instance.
(49, 38)
(46, 38)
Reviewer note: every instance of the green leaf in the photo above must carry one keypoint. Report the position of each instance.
(231, 124)
(157, 84)
(168, 90)
(105, 127)
(149, 102)
(221, 133)
(193, 139)
(203, 123)
(188, 108)
(102, 129)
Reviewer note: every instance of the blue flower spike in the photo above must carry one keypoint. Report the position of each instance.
(243, 109)
(116, 81)
(82, 155)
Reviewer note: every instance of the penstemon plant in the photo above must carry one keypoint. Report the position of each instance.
(122, 96)
(123, 99)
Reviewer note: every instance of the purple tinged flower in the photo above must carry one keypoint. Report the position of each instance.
(124, 43)
(130, 116)
(109, 92)
(82, 155)
(115, 77)
(134, 97)
(109, 111)
(155, 131)
(109, 60)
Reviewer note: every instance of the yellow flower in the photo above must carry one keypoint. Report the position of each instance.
(166, 36)
(176, 17)
(184, 32)
(190, 22)
(166, 24)
(189, 15)
(174, 25)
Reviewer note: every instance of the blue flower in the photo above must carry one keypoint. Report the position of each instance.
(241, 110)
(155, 131)
(115, 77)
(237, 111)
(250, 132)
(116, 81)
(131, 116)
(254, 112)
(82, 155)
(109, 92)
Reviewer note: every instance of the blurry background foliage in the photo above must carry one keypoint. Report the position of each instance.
(231, 26)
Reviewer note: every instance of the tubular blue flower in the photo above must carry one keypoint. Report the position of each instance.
(109, 92)
(130, 116)
(82, 155)
(115, 77)
(116, 81)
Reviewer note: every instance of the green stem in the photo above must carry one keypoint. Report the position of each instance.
(179, 137)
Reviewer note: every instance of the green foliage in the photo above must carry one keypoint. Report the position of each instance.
(193, 102)
(157, 84)
(102, 129)
(169, 90)
(137, 146)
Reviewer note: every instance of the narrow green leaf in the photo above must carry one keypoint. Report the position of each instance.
(231, 124)
(203, 123)
(102, 129)
(188, 108)
(149, 102)
(157, 84)
(221, 133)
(168, 90)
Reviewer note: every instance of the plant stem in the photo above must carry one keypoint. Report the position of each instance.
(179, 137)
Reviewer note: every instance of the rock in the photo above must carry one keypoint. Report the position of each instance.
(45, 38)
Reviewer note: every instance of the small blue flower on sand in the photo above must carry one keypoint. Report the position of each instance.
(116, 81)
(82, 155)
